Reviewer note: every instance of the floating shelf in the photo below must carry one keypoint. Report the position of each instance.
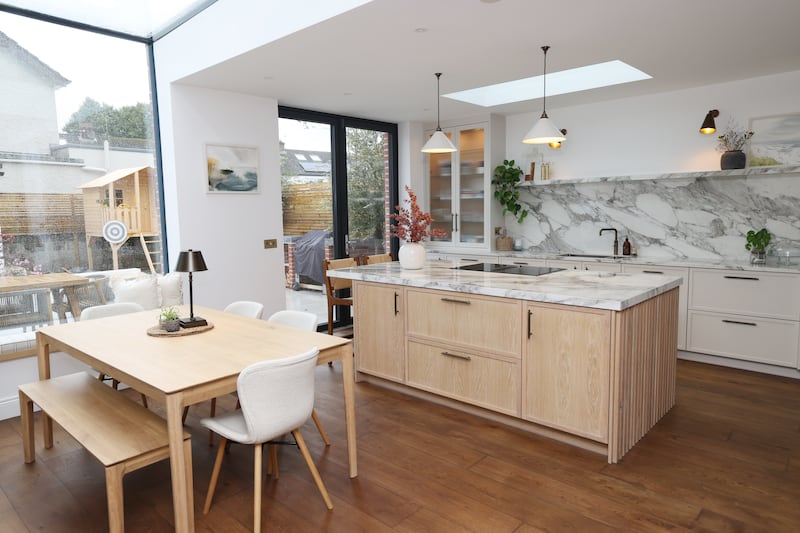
(754, 171)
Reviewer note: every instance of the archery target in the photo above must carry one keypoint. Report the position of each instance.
(115, 231)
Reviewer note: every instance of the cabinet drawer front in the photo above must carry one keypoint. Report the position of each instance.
(746, 292)
(683, 292)
(764, 340)
(469, 321)
(464, 376)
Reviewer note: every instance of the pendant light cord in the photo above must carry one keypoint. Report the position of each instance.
(438, 126)
(544, 101)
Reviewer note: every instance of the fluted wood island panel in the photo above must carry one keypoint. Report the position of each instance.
(594, 377)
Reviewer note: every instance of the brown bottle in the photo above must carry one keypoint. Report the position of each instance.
(626, 247)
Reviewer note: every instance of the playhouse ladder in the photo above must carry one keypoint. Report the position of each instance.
(152, 247)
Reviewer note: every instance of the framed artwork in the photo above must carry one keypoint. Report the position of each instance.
(776, 140)
(232, 168)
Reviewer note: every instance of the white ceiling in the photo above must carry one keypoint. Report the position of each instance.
(370, 62)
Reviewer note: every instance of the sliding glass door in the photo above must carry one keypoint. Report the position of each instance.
(339, 185)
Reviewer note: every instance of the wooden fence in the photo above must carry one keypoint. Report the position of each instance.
(41, 213)
(306, 207)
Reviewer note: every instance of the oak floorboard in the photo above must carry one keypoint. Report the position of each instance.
(725, 458)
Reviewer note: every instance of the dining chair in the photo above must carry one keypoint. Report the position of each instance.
(245, 308)
(277, 396)
(377, 258)
(307, 321)
(113, 309)
(334, 285)
(242, 308)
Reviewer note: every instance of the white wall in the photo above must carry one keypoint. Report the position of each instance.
(229, 228)
(651, 134)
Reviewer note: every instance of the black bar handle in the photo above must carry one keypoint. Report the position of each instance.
(456, 301)
(530, 329)
(395, 303)
(738, 322)
(652, 272)
(748, 278)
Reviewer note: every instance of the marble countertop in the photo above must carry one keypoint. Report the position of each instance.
(599, 290)
(773, 263)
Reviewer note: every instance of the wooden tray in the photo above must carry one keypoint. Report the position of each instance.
(156, 331)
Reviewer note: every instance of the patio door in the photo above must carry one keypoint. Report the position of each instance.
(339, 184)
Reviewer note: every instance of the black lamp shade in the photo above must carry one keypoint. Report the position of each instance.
(191, 261)
(709, 126)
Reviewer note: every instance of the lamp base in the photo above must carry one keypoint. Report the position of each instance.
(193, 322)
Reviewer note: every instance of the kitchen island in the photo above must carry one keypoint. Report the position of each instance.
(583, 357)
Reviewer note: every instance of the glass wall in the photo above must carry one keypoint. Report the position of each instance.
(77, 157)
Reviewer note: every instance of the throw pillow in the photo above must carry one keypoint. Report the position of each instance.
(143, 291)
(170, 289)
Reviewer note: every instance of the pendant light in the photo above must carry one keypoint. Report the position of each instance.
(709, 126)
(544, 131)
(438, 143)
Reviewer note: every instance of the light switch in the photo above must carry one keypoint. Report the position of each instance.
(270, 243)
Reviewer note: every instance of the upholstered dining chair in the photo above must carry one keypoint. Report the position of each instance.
(245, 308)
(106, 310)
(276, 398)
(307, 321)
(334, 285)
(242, 308)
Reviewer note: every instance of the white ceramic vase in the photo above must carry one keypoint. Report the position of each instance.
(412, 256)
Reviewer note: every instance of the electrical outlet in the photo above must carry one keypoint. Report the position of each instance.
(270, 243)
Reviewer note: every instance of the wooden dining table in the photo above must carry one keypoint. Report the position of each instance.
(182, 370)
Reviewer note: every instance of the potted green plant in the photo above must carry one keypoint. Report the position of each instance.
(757, 242)
(170, 319)
(506, 182)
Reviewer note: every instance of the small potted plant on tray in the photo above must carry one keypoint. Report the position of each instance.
(170, 319)
(757, 242)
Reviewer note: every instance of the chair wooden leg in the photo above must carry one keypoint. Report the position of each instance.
(256, 487)
(321, 429)
(330, 319)
(212, 414)
(144, 401)
(312, 467)
(273, 459)
(185, 413)
(212, 485)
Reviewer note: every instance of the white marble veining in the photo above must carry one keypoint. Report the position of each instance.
(599, 290)
(694, 216)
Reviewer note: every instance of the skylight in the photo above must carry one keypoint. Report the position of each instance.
(563, 82)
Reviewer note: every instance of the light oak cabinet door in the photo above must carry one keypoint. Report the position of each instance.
(462, 375)
(466, 321)
(566, 369)
(379, 330)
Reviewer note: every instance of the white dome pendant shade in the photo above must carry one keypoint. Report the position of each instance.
(544, 131)
(438, 143)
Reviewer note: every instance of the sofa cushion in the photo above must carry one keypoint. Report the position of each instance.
(170, 289)
(143, 291)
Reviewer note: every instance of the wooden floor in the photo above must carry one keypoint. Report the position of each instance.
(726, 458)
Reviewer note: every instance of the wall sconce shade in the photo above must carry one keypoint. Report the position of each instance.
(709, 126)
(191, 261)
(438, 143)
(544, 131)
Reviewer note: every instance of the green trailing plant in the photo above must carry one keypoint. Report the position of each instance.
(757, 241)
(506, 183)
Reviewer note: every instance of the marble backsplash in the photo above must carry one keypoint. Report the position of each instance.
(689, 216)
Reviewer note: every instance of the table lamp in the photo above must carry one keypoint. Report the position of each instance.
(191, 261)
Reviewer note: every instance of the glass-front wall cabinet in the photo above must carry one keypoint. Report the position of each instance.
(458, 188)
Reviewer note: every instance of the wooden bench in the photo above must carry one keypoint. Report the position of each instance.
(121, 434)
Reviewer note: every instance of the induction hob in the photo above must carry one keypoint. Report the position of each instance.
(522, 270)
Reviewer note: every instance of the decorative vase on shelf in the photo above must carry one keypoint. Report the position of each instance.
(411, 256)
(732, 159)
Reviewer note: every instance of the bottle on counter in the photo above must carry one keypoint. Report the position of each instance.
(626, 247)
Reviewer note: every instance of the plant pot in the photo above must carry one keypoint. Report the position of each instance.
(732, 159)
(411, 256)
(171, 326)
(758, 257)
